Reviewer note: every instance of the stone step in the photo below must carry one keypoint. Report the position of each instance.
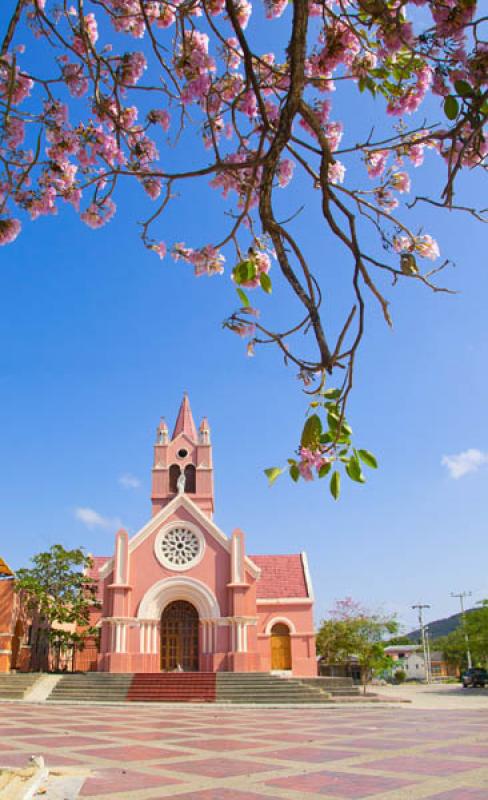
(14, 686)
(97, 686)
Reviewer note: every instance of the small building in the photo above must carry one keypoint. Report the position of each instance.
(14, 627)
(408, 658)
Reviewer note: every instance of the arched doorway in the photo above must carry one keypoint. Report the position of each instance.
(179, 637)
(280, 646)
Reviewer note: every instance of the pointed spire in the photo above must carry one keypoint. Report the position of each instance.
(184, 422)
(162, 432)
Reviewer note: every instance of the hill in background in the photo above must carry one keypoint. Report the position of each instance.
(439, 627)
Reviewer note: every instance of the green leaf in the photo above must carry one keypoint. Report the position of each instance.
(463, 88)
(335, 485)
(451, 107)
(332, 394)
(244, 271)
(243, 298)
(272, 473)
(265, 282)
(312, 431)
(294, 472)
(325, 469)
(368, 458)
(353, 469)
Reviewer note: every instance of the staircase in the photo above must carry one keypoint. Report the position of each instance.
(173, 687)
(261, 687)
(103, 687)
(14, 685)
(188, 687)
(336, 687)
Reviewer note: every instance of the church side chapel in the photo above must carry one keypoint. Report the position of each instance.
(181, 595)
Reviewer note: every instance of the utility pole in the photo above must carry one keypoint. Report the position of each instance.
(427, 647)
(461, 596)
(420, 607)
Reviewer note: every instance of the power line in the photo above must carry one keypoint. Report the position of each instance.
(461, 596)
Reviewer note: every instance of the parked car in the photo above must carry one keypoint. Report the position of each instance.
(474, 677)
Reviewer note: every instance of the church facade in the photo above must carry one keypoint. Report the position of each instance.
(182, 595)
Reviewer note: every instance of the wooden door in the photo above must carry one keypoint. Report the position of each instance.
(179, 637)
(280, 647)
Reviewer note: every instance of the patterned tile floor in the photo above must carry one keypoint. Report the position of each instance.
(215, 753)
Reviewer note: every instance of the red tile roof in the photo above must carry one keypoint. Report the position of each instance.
(281, 576)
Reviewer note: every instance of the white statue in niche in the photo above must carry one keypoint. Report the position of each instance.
(180, 483)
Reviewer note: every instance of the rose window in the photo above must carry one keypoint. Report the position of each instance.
(179, 547)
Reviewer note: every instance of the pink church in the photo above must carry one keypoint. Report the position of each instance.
(181, 595)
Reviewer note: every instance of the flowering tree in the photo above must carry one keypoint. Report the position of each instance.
(352, 633)
(96, 92)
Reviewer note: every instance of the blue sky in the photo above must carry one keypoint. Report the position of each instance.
(98, 338)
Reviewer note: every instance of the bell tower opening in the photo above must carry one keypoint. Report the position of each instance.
(183, 463)
(179, 637)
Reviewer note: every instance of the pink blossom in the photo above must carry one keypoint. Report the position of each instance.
(310, 460)
(16, 87)
(152, 187)
(9, 230)
(275, 8)
(412, 96)
(88, 31)
(233, 53)
(160, 249)
(333, 132)
(385, 199)
(400, 181)
(75, 79)
(243, 9)
(425, 245)
(15, 132)
(376, 162)
(285, 172)
(248, 104)
(336, 172)
(132, 66)
(99, 213)
(160, 116)
(206, 261)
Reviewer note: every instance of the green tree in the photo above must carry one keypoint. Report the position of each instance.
(454, 647)
(353, 631)
(58, 592)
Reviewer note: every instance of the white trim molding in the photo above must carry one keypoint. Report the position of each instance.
(167, 590)
(284, 601)
(306, 572)
(181, 500)
(280, 620)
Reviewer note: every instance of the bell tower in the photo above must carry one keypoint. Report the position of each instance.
(183, 464)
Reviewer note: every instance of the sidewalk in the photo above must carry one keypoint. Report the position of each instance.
(448, 696)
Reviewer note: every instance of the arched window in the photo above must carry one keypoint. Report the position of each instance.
(174, 474)
(190, 479)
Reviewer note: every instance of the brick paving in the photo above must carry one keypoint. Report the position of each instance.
(216, 753)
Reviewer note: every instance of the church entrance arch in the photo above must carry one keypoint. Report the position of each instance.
(179, 637)
(280, 646)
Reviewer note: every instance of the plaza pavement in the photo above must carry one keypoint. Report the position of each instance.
(191, 752)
